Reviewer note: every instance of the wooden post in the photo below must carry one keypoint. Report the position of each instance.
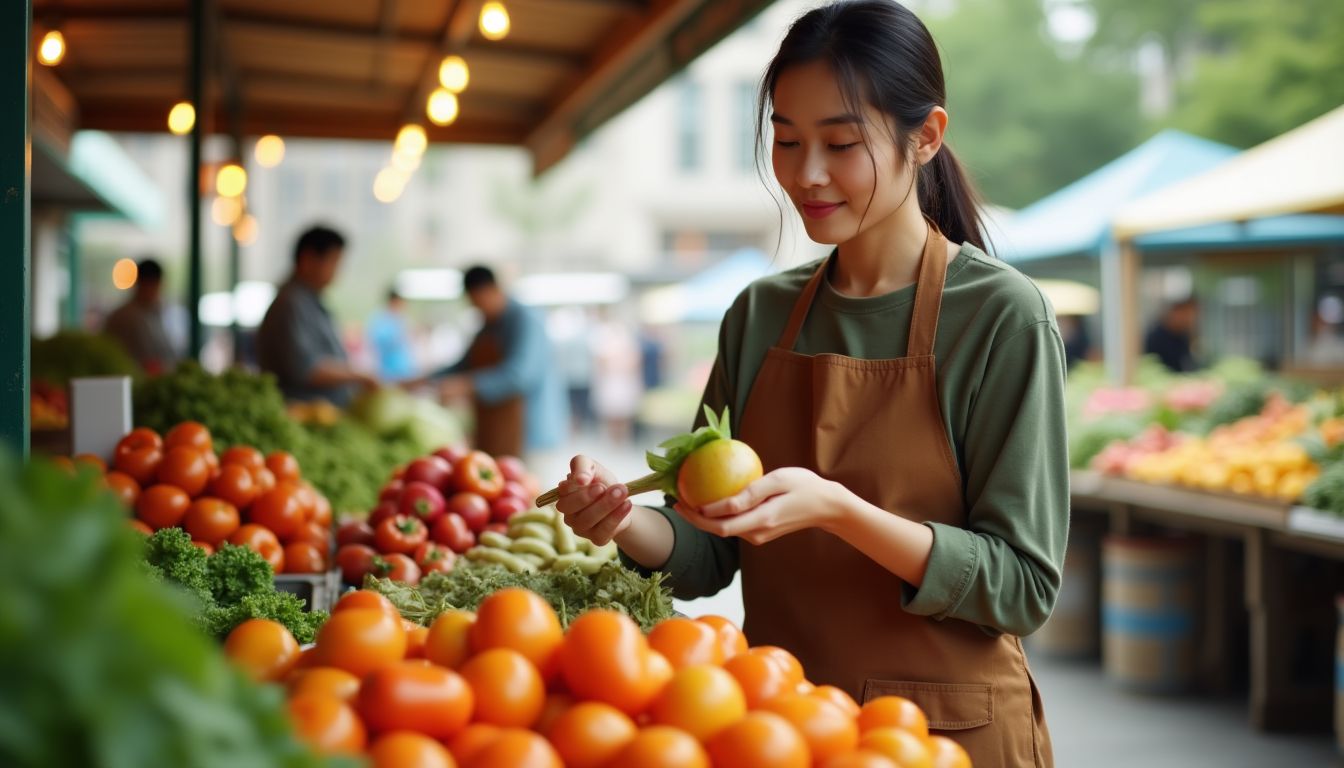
(196, 50)
(16, 149)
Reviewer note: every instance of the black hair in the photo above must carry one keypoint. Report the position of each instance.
(883, 55)
(319, 241)
(1187, 302)
(393, 295)
(148, 271)
(477, 277)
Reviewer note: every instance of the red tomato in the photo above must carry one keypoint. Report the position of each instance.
(512, 468)
(417, 697)
(162, 506)
(473, 508)
(322, 510)
(452, 532)
(304, 557)
(361, 641)
(354, 532)
(498, 528)
(400, 534)
(89, 459)
(191, 434)
(262, 541)
(279, 509)
(211, 520)
(421, 500)
(313, 533)
(392, 491)
(262, 648)
(431, 470)
(432, 556)
(402, 568)
(355, 561)
(204, 547)
(186, 468)
(478, 473)
(136, 439)
(123, 486)
(453, 454)
(236, 485)
(243, 455)
(139, 527)
(283, 465)
(142, 464)
(384, 511)
(505, 507)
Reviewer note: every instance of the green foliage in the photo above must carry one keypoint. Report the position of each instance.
(240, 408)
(219, 620)
(101, 665)
(1326, 492)
(72, 354)
(570, 592)
(173, 557)
(236, 572)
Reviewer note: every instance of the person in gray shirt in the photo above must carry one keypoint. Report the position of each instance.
(138, 324)
(297, 340)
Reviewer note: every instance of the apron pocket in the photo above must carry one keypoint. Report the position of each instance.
(949, 706)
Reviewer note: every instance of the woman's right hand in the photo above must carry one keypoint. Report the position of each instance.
(595, 504)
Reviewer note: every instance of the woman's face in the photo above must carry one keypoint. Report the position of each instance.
(842, 183)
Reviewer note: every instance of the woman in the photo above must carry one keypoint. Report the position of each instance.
(906, 398)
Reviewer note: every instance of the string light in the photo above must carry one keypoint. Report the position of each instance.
(388, 185)
(231, 181)
(270, 151)
(411, 139)
(494, 20)
(245, 230)
(226, 210)
(181, 118)
(454, 74)
(52, 49)
(442, 107)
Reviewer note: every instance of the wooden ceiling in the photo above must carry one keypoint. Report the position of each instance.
(363, 68)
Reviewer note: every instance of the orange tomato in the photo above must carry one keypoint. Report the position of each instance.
(860, 758)
(903, 747)
(313, 533)
(449, 643)
(605, 658)
(303, 557)
(760, 740)
(283, 465)
(416, 697)
(837, 697)
(210, 520)
(236, 485)
(327, 724)
(262, 648)
(307, 497)
(701, 700)
(322, 510)
(207, 548)
(279, 509)
(731, 638)
(139, 527)
(365, 599)
(185, 468)
(516, 748)
(793, 669)
(662, 746)
(761, 678)
(827, 729)
(263, 479)
(686, 643)
(124, 486)
(590, 733)
(518, 619)
(261, 540)
(90, 460)
(471, 740)
(64, 463)
(361, 641)
(415, 642)
(244, 456)
(191, 434)
(715, 471)
(896, 712)
(557, 703)
(142, 464)
(162, 506)
(324, 681)
(403, 749)
(948, 753)
(137, 439)
(509, 690)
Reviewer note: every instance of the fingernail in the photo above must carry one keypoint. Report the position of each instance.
(618, 492)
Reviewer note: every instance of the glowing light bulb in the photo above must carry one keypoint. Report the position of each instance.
(182, 118)
(411, 139)
(388, 185)
(454, 74)
(442, 107)
(270, 151)
(231, 181)
(226, 210)
(494, 20)
(52, 49)
(245, 229)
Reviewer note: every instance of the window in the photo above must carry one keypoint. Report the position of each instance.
(745, 93)
(689, 119)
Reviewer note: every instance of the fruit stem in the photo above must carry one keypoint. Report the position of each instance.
(650, 482)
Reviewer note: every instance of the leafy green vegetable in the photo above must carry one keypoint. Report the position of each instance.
(1326, 492)
(173, 557)
(71, 354)
(236, 572)
(101, 665)
(219, 620)
(570, 592)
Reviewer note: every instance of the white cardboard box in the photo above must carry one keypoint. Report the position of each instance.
(100, 414)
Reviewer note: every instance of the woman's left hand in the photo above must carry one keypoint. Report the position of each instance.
(787, 500)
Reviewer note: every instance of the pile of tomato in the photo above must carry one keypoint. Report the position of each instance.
(239, 496)
(432, 510)
(506, 687)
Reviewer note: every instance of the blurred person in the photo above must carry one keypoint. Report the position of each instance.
(652, 353)
(1170, 338)
(139, 324)
(1325, 348)
(570, 333)
(617, 377)
(1077, 341)
(297, 340)
(509, 374)
(390, 339)
(905, 396)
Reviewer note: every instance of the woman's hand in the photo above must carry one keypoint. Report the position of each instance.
(787, 500)
(595, 504)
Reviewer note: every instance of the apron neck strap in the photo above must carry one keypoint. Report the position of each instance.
(928, 298)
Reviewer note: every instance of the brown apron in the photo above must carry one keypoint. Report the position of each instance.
(499, 426)
(876, 427)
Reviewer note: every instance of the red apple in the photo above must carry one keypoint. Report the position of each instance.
(452, 453)
(515, 489)
(354, 532)
(505, 507)
(452, 532)
(422, 501)
(433, 470)
(473, 508)
(512, 468)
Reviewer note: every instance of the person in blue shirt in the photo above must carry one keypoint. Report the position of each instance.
(509, 374)
(391, 341)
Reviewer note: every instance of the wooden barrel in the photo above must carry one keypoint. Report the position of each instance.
(1149, 610)
(1072, 629)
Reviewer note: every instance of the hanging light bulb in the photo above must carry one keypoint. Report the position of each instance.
(442, 107)
(231, 181)
(52, 49)
(411, 140)
(454, 74)
(226, 210)
(270, 151)
(181, 118)
(245, 229)
(494, 20)
(405, 163)
(124, 273)
(388, 185)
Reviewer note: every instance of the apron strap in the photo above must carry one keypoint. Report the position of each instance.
(928, 295)
(800, 308)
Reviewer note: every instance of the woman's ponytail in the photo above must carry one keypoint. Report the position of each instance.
(950, 201)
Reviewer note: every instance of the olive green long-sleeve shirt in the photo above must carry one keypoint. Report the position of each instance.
(1000, 383)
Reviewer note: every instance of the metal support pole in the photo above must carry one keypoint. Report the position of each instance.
(16, 148)
(74, 300)
(198, 97)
